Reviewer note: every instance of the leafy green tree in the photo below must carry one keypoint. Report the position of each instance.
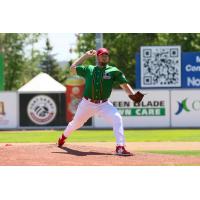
(18, 68)
(123, 46)
(188, 41)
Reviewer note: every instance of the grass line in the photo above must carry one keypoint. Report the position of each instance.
(181, 135)
(176, 152)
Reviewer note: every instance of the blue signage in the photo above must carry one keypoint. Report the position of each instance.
(138, 71)
(190, 70)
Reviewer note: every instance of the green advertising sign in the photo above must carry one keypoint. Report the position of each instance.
(1, 73)
(142, 111)
(148, 108)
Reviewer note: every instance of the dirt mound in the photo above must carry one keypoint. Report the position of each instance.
(82, 155)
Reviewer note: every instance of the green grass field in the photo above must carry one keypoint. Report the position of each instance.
(178, 135)
(164, 135)
(176, 152)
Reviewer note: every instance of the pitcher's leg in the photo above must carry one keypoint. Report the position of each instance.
(111, 114)
(83, 113)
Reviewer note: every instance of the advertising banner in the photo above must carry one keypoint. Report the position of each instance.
(185, 108)
(8, 110)
(191, 70)
(74, 92)
(160, 66)
(153, 111)
(75, 86)
(137, 71)
(41, 110)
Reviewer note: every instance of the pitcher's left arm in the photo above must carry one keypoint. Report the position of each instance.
(134, 96)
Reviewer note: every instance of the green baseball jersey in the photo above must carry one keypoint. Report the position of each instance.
(99, 81)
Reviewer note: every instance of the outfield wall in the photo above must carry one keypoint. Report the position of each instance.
(153, 111)
(185, 108)
(9, 110)
(159, 109)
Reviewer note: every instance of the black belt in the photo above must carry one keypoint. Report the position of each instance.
(96, 101)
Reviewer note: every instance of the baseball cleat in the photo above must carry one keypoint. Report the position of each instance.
(61, 140)
(121, 151)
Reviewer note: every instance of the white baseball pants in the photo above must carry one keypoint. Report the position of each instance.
(87, 109)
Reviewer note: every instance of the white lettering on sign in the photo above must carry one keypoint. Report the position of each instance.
(197, 59)
(191, 68)
(125, 112)
(193, 81)
(148, 112)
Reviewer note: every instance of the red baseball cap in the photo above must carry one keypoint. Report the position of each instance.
(102, 51)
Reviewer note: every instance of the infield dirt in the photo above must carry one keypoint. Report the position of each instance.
(95, 154)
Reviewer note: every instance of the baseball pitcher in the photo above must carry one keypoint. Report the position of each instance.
(98, 87)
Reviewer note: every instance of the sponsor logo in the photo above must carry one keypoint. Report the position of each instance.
(142, 112)
(3, 120)
(106, 76)
(185, 106)
(41, 109)
(149, 108)
(2, 108)
(182, 106)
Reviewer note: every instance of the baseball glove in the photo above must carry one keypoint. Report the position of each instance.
(137, 97)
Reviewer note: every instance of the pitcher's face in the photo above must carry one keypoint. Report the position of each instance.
(103, 59)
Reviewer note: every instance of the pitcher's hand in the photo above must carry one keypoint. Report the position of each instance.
(91, 53)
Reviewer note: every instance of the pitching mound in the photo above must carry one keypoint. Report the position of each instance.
(78, 154)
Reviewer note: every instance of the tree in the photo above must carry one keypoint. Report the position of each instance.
(17, 69)
(188, 41)
(123, 46)
(50, 66)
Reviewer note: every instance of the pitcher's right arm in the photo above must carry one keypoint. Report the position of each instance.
(80, 60)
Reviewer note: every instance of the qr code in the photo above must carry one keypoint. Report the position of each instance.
(160, 66)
